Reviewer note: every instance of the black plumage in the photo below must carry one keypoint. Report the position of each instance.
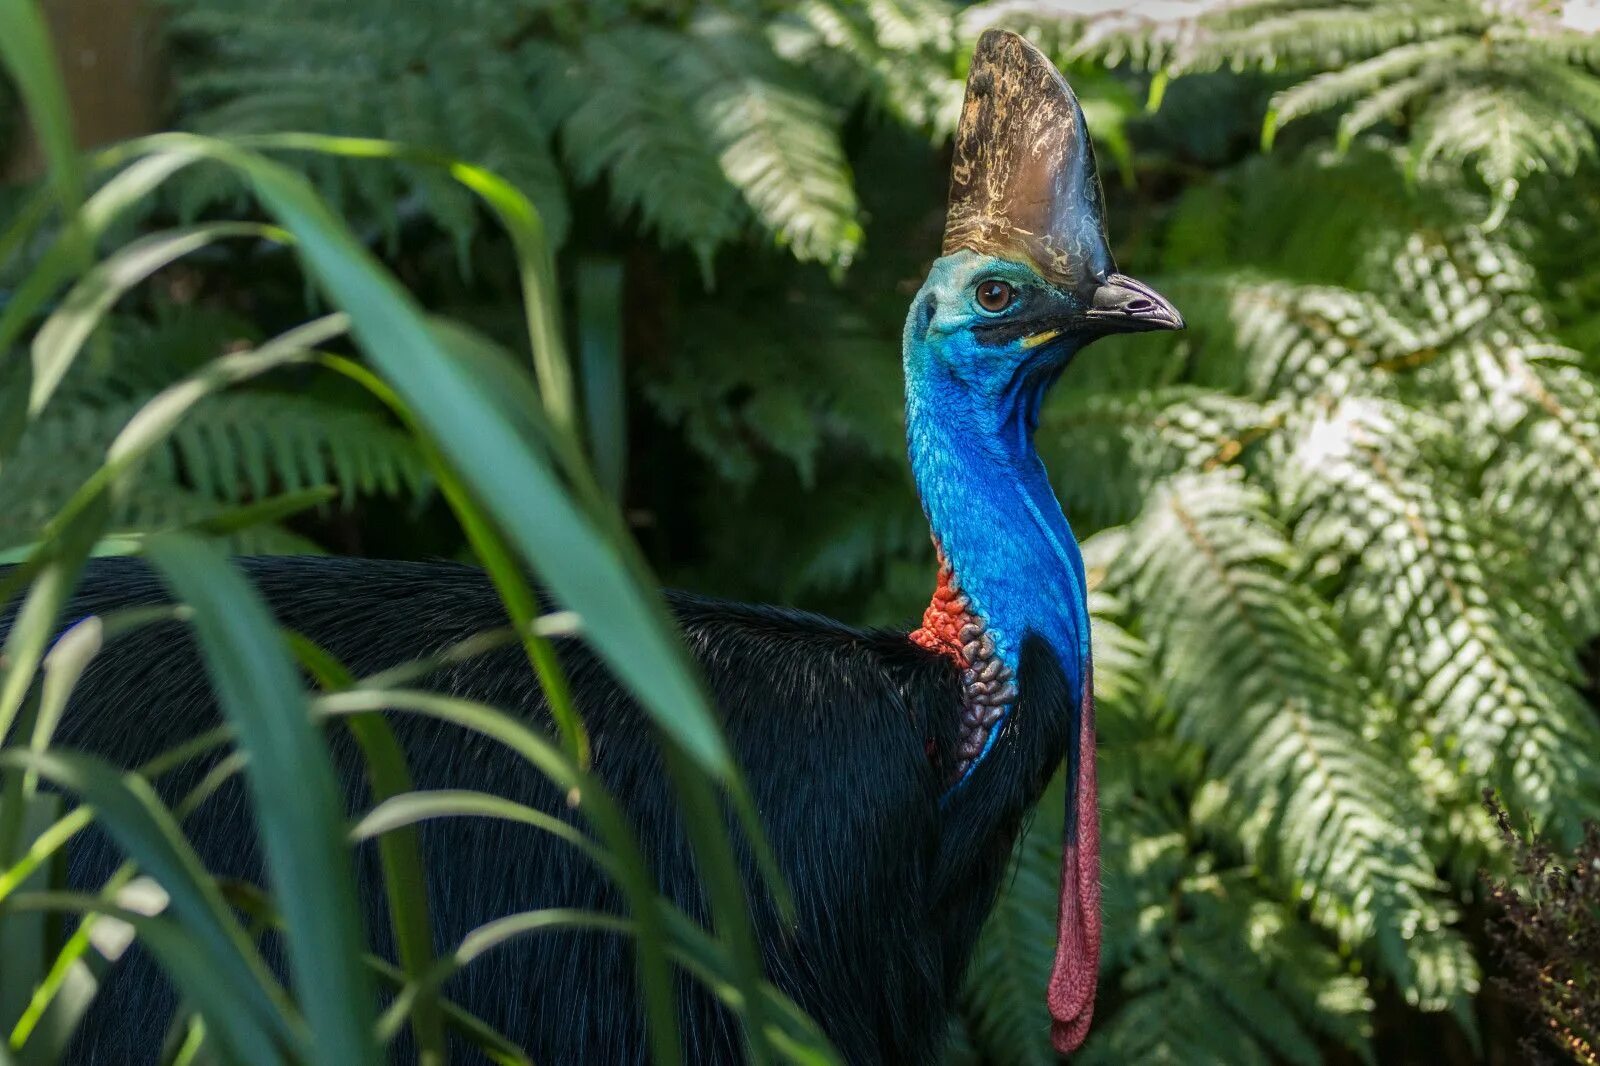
(845, 736)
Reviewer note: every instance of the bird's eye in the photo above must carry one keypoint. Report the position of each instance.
(995, 295)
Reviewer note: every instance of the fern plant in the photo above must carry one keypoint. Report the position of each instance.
(1508, 89)
(703, 123)
(234, 448)
(1353, 625)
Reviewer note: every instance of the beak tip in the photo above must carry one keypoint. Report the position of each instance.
(1124, 305)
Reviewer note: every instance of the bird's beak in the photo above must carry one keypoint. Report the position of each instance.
(1122, 305)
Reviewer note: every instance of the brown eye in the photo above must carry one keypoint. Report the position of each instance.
(994, 295)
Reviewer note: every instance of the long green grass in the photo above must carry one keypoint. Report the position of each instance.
(505, 444)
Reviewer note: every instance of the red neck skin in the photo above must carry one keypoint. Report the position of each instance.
(1077, 963)
(946, 623)
(944, 617)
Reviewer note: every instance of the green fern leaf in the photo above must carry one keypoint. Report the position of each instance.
(1446, 630)
(776, 144)
(1322, 800)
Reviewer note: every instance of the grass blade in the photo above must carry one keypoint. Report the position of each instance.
(24, 938)
(64, 259)
(67, 991)
(400, 811)
(493, 555)
(132, 814)
(486, 938)
(405, 879)
(63, 334)
(27, 52)
(26, 223)
(56, 572)
(496, 1047)
(598, 807)
(516, 215)
(153, 422)
(297, 803)
(184, 957)
(264, 511)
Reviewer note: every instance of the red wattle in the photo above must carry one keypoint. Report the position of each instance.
(944, 617)
(1077, 965)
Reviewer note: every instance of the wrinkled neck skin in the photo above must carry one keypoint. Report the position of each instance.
(993, 514)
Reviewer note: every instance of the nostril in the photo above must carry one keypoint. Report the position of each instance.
(1138, 306)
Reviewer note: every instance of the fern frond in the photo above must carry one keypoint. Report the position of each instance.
(1326, 36)
(1174, 1019)
(1387, 103)
(1361, 80)
(60, 452)
(1507, 134)
(1312, 341)
(913, 25)
(438, 76)
(861, 530)
(806, 372)
(1546, 483)
(1446, 626)
(1124, 443)
(846, 45)
(1004, 1005)
(1526, 403)
(778, 145)
(1217, 978)
(252, 444)
(232, 446)
(639, 130)
(1487, 85)
(1320, 795)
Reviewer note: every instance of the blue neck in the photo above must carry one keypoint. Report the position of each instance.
(992, 511)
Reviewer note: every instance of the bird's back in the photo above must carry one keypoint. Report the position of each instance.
(839, 732)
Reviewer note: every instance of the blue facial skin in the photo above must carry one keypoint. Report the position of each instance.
(975, 380)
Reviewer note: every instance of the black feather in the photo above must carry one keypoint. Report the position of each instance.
(846, 737)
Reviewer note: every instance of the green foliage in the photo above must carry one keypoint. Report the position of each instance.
(470, 414)
(1340, 533)
(702, 124)
(1506, 88)
(233, 448)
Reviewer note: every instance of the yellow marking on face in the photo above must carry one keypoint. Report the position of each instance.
(1040, 338)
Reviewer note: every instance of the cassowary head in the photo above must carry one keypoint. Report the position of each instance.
(1027, 277)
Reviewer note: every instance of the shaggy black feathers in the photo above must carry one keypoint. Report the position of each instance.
(832, 726)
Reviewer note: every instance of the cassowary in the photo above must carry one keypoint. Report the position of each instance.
(892, 771)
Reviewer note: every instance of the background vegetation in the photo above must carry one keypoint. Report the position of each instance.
(1341, 531)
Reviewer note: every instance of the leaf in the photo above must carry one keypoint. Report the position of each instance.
(777, 144)
(632, 871)
(1313, 780)
(30, 58)
(183, 955)
(298, 806)
(62, 336)
(639, 131)
(134, 817)
(400, 853)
